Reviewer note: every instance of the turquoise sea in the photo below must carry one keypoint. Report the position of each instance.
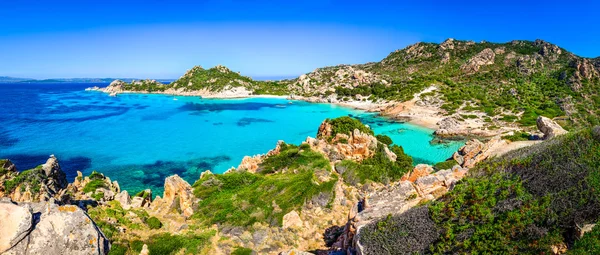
(139, 140)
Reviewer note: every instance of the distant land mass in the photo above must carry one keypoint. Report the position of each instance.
(8, 79)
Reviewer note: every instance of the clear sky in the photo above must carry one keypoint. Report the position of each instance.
(162, 39)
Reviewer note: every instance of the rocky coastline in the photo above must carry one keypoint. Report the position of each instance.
(85, 208)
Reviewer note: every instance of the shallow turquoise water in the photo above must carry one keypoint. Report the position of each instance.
(139, 140)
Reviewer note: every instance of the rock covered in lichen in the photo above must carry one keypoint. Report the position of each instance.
(56, 230)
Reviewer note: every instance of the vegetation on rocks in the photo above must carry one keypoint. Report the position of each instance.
(292, 157)
(288, 180)
(347, 125)
(111, 216)
(378, 168)
(215, 79)
(32, 178)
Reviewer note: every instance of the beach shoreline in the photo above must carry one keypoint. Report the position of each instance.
(427, 122)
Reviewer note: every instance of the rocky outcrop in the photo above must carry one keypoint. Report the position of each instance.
(415, 187)
(324, 80)
(47, 228)
(7, 166)
(355, 146)
(7, 172)
(178, 197)
(549, 127)
(39, 184)
(485, 57)
(475, 151)
(57, 179)
(115, 87)
(105, 191)
(451, 127)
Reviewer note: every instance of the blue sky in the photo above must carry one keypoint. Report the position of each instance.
(162, 39)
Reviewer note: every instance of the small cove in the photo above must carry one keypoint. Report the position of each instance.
(139, 139)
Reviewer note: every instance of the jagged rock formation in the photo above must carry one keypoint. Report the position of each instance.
(549, 127)
(39, 184)
(95, 187)
(178, 198)
(47, 228)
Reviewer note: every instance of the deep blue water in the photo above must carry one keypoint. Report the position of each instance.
(139, 140)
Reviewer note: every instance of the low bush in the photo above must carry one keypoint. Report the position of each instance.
(384, 139)
(93, 185)
(347, 125)
(242, 251)
(448, 164)
(153, 223)
(190, 243)
(518, 136)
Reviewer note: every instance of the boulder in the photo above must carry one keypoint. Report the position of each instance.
(15, 225)
(419, 171)
(292, 220)
(475, 151)
(143, 200)
(124, 199)
(56, 230)
(549, 127)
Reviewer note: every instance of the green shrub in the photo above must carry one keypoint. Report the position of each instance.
(347, 125)
(143, 194)
(242, 251)
(166, 243)
(93, 185)
(96, 176)
(384, 139)
(448, 164)
(117, 249)
(153, 223)
(521, 203)
(32, 177)
(517, 136)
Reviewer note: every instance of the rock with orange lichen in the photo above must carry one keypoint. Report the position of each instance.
(47, 228)
(419, 171)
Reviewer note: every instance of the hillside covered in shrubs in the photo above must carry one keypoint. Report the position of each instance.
(541, 199)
